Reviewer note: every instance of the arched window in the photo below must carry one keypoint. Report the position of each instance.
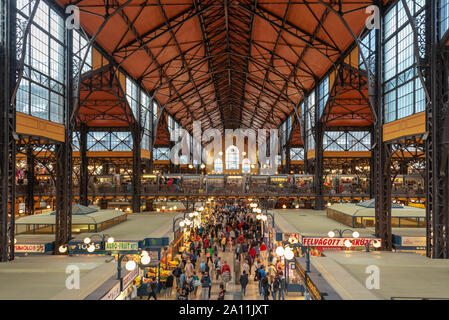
(218, 165)
(246, 166)
(232, 158)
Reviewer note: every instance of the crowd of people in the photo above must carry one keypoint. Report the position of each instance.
(231, 228)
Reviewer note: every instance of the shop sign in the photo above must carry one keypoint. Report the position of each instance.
(156, 242)
(336, 242)
(292, 237)
(82, 247)
(122, 246)
(29, 248)
(113, 293)
(413, 241)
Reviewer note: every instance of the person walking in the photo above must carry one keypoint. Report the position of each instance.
(245, 267)
(244, 282)
(182, 279)
(177, 273)
(184, 258)
(263, 251)
(261, 275)
(209, 254)
(252, 253)
(134, 291)
(205, 286)
(271, 272)
(238, 251)
(218, 267)
(189, 269)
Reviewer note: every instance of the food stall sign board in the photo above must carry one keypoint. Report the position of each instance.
(335, 242)
(130, 277)
(122, 246)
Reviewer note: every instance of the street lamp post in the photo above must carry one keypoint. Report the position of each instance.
(331, 234)
(355, 234)
(286, 252)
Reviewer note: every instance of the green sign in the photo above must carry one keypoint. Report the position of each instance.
(122, 246)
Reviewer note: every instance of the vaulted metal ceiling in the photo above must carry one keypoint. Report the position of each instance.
(227, 63)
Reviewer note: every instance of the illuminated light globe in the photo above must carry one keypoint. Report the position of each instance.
(62, 249)
(146, 259)
(110, 240)
(175, 207)
(355, 234)
(144, 253)
(348, 244)
(264, 218)
(331, 234)
(87, 240)
(289, 254)
(130, 265)
(191, 215)
(280, 251)
(91, 248)
(284, 206)
(188, 222)
(258, 217)
(181, 224)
